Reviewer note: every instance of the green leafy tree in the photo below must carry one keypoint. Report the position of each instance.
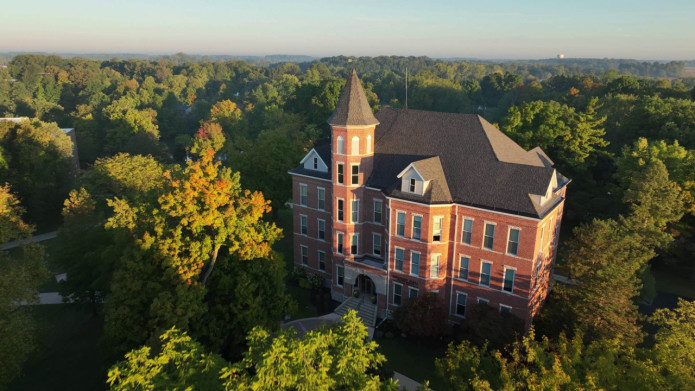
(425, 316)
(674, 350)
(209, 136)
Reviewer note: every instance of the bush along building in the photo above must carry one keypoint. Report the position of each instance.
(407, 202)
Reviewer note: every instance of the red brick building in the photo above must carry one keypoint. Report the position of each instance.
(408, 202)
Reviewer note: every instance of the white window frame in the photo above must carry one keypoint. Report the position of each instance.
(340, 178)
(316, 163)
(412, 185)
(509, 238)
(354, 140)
(468, 267)
(483, 301)
(340, 147)
(304, 250)
(506, 306)
(395, 259)
(353, 176)
(369, 143)
(489, 278)
(404, 217)
(338, 209)
(419, 261)
(303, 225)
(463, 230)
(340, 247)
(465, 304)
(491, 248)
(393, 297)
(318, 229)
(318, 257)
(355, 238)
(433, 264)
(441, 228)
(319, 200)
(374, 247)
(504, 278)
(381, 211)
(410, 293)
(412, 233)
(303, 194)
(338, 268)
(355, 211)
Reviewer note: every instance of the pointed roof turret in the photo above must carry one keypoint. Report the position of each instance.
(352, 108)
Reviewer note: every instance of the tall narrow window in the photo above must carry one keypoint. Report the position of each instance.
(417, 227)
(353, 244)
(355, 174)
(377, 211)
(489, 239)
(376, 244)
(341, 173)
(340, 275)
(302, 194)
(355, 211)
(316, 163)
(322, 260)
(305, 254)
(399, 259)
(400, 224)
(463, 267)
(467, 231)
(509, 280)
(412, 185)
(321, 195)
(513, 242)
(412, 293)
(341, 145)
(369, 143)
(434, 265)
(340, 243)
(437, 230)
(303, 224)
(461, 303)
(397, 293)
(485, 269)
(414, 263)
(321, 229)
(355, 146)
(340, 210)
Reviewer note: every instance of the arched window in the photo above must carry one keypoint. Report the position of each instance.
(341, 145)
(355, 146)
(369, 143)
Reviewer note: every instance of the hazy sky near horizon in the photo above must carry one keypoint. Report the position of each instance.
(641, 29)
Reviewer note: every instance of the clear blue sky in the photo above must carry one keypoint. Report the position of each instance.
(654, 29)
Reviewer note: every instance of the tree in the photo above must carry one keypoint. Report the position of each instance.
(674, 350)
(425, 316)
(20, 275)
(209, 136)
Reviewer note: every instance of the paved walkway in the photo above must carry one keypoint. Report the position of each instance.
(405, 382)
(35, 239)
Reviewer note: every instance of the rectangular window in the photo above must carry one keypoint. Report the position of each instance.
(399, 259)
(437, 231)
(485, 269)
(302, 194)
(397, 293)
(303, 224)
(355, 210)
(322, 260)
(414, 263)
(513, 242)
(467, 231)
(340, 275)
(417, 227)
(340, 210)
(412, 185)
(321, 194)
(412, 293)
(463, 267)
(316, 163)
(505, 309)
(355, 177)
(376, 244)
(322, 229)
(434, 266)
(400, 224)
(377, 211)
(340, 242)
(341, 172)
(353, 244)
(461, 304)
(508, 280)
(305, 254)
(483, 301)
(489, 239)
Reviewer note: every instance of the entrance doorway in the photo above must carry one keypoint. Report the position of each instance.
(365, 285)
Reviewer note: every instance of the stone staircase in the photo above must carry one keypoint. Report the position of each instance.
(365, 309)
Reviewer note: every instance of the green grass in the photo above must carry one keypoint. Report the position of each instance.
(67, 357)
(414, 359)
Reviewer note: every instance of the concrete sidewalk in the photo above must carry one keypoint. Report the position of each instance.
(34, 239)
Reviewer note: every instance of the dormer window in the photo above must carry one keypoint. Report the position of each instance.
(316, 163)
(412, 185)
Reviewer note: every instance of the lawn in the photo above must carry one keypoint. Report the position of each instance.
(67, 357)
(413, 358)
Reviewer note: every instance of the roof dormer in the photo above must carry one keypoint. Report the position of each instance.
(412, 181)
(313, 161)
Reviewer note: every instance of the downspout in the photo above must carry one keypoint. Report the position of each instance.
(388, 258)
(453, 258)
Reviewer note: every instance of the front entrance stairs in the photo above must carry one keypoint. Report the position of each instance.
(366, 310)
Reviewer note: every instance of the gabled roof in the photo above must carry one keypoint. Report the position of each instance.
(324, 152)
(352, 108)
(429, 169)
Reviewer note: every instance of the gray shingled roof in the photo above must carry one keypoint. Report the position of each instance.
(324, 150)
(352, 107)
(482, 166)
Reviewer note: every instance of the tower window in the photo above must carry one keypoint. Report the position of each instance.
(355, 146)
(340, 173)
(355, 177)
(341, 145)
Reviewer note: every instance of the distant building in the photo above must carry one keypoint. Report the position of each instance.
(560, 56)
(408, 202)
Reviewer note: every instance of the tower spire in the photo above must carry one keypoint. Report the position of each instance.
(353, 108)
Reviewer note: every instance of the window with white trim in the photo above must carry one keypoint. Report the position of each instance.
(341, 173)
(505, 309)
(417, 227)
(316, 163)
(513, 241)
(508, 285)
(464, 263)
(355, 212)
(400, 224)
(355, 174)
(411, 186)
(302, 194)
(397, 293)
(322, 260)
(485, 270)
(340, 242)
(353, 244)
(434, 265)
(399, 259)
(303, 224)
(341, 145)
(340, 209)
(321, 229)
(376, 244)
(355, 146)
(437, 229)
(304, 250)
(489, 239)
(467, 234)
(340, 275)
(412, 293)
(461, 304)
(378, 205)
(369, 143)
(321, 198)
(415, 263)
(483, 301)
